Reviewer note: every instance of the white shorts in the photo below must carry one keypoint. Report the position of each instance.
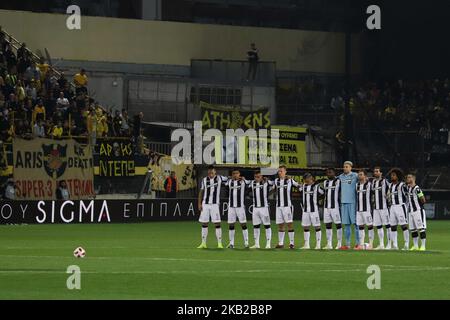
(261, 215)
(417, 220)
(310, 219)
(331, 215)
(284, 215)
(236, 214)
(364, 218)
(397, 215)
(210, 211)
(380, 217)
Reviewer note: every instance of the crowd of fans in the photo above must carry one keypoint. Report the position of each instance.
(38, 101)
(422, 106)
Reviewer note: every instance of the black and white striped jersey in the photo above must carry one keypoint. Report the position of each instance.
(414, 193)
(211, 189)
(363, 196)
(398, 193)
(310, 197)
(236, 193)
(284, 191)
(332, 189)
(379, 191)
(260, 192)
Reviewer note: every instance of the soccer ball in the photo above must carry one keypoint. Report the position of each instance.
(367, 246)
(79, 252)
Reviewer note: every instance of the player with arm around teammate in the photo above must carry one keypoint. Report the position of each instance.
(380, 187)
(310, 217)
(417, 217)
(398, 209)
(208, 205)
(284, 210)
(364, 210)
(236, 207)
(331, 210)
(260, 188)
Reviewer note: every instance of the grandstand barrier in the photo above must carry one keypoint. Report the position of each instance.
(232, 70)
(134, 211)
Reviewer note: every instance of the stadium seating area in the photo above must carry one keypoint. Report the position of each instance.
(410, 110)
(404, 105)
(38, 101)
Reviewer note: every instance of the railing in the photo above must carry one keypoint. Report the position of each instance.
(16, 44)
(232, 70)
(160, 147)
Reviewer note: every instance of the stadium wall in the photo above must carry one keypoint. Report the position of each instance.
(173, 43)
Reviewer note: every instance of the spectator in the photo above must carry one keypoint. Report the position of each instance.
(125, 129)
(22, 64)
(39, 130)
(81, 81)
(62, 193)
(62, 103)
(253, 58)
(117, 123)
(4, 127)
(31, 91)
(91, 124)
(171, 185)
(57, 131)
(137, 125)
(32, 73)
(10, 190)
(44, 68)
(22, 52)
(62, 82)
(9, 56)
(20, 91)
(39, 111)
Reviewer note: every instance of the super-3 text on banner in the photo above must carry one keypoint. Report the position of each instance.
(40, 164)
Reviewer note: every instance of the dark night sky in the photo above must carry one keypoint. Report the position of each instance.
(414, 40)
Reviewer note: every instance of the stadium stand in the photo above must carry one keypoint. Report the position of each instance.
(37, 100)
(395, 123)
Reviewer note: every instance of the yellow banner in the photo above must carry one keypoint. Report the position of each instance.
(40, 164)
(226, 117)
(161, 170)
(292, 146)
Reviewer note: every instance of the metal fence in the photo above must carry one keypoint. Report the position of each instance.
(232, 71)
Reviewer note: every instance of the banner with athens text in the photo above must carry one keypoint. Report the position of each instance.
(229, 117)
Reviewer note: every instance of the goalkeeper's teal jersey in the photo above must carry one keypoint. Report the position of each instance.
(348, 187)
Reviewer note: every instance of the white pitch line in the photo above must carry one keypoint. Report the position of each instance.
(65, 247)
(397, 267)
(194, 272)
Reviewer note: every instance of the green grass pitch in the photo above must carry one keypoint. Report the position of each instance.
(160, 261)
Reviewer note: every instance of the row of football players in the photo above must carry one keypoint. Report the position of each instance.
(379, 203)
